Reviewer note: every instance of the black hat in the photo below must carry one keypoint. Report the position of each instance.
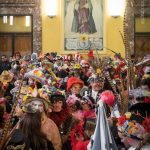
(57, 97)
(62, 73)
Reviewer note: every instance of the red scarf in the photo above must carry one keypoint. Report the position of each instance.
(60, 117)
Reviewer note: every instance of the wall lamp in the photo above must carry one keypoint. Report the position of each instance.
(116, 8)
(51, 8)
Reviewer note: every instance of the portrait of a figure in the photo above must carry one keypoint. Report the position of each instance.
(83, 17)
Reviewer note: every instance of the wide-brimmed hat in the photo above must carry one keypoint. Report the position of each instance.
(28, 100)
(6, 77)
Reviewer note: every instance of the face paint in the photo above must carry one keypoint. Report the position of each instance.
(38, 105)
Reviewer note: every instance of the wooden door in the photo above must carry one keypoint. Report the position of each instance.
(23, 44)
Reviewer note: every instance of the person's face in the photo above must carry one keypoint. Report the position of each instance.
(75, 89)
(85, 106)
(96, 86)
(3, 58)
(57, 106)
(10, 59)
(18, 112)
(17, 57)
(38, 105)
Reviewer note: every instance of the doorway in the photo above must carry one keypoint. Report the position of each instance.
(15, 42)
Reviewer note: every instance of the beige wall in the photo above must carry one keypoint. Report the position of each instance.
(18, 25)
(52, 31)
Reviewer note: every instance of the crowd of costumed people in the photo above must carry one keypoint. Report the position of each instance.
(71, 102)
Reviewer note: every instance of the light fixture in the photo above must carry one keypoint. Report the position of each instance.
(28, 21)
(51, 8)
(116, 7)
(4, 19)
(11, 20)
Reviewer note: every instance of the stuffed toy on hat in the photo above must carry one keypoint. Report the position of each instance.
(73, 80)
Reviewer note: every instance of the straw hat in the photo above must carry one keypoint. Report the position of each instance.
(6, 77)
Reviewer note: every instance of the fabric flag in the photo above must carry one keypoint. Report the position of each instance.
(102, 138)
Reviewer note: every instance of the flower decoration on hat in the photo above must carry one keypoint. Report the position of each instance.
(130, 126)
(77, 66)
(84, 64)
(35, 74)
(58, 95)
(72, 99)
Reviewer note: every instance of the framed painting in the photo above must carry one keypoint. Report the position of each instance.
(83, 24)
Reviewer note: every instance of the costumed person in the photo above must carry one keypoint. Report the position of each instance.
(102, 138)
(6, 78)
(58, 63)
(84, 73)
(28, 135)
(4, 115)
(96, 83)
(134, 131)
(74, 86)
(47, 69)
(73, 102)
(63, 118)
(81, 134)
(63, 78)
(48, 127)
(87, 107)
(83, 21)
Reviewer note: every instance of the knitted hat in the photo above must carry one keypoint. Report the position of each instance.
(74, 80)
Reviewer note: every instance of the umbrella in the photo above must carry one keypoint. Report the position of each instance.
(102, 138)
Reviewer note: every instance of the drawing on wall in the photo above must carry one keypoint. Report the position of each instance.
(83, 24)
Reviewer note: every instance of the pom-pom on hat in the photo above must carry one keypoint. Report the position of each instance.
(73, 80)
(108, 97)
